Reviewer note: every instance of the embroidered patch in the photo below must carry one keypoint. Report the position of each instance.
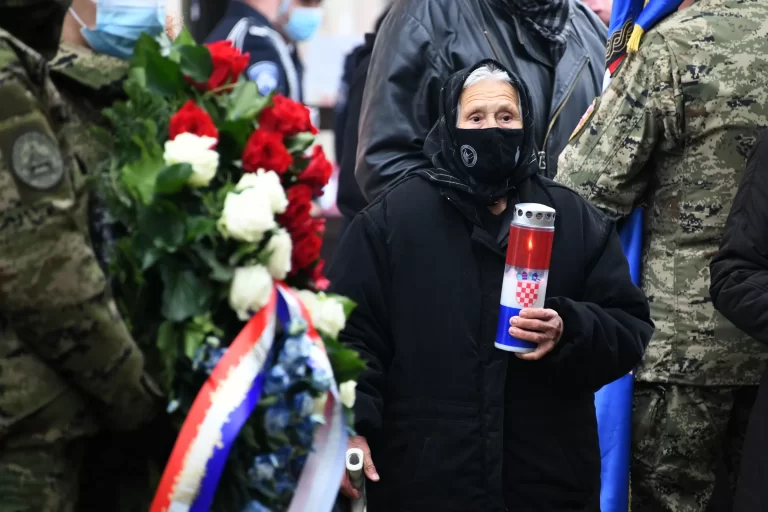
(266, 75)
(36, 161)
(586, 117)
(468, 155)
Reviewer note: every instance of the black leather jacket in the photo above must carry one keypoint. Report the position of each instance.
(422, 42)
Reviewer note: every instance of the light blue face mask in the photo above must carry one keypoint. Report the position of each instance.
(303, 22)
(119, 23)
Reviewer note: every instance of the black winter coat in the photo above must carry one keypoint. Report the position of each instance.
(455, 424)
(739, 290)
(423, 42)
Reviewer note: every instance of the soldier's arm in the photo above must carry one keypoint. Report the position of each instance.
(52, 290)
(640, 112)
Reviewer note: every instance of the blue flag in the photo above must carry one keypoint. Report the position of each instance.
(613, 402)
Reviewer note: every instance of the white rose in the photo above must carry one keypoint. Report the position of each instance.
(269, 183)
(250, 290)
(347, 393)
(247, 215)
(188, 148)
(280, 247)
(327, 313)
(330, 316)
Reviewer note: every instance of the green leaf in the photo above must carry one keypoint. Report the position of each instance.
(239, 130)
(242, 252)
(199, 226)
(184, 38)
(173, 178)
(144, 47)
(219, 272)
(193, 338)
(185, 294)
(163, 75)
(139, 177)
(246, 101)
(163, 224)
(167, 344)
(299, 143)
(196, 62)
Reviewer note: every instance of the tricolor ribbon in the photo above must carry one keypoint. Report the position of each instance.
(226, 401)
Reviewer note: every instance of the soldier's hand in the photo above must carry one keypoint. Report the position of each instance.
(138, 404)
(368, 467)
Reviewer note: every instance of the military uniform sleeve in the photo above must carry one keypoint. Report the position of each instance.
(638, 113)
(265, 67)
(52, 290)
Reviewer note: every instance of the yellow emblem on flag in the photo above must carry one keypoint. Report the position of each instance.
(587, 115)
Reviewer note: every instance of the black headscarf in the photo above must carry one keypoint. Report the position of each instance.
(443, 151)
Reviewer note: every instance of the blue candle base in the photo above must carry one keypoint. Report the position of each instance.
(504, 340)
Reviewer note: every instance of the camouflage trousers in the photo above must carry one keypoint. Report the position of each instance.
(687, 439)
(41, 456)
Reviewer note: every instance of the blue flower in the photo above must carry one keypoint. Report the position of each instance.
(303, 404)
(321, 378)
(263, 471)
(282, 456)
(295, 351)
(305, 431)
(278, 380)
(277, 418)
(297, 465)
(285, 483)
(255, 506)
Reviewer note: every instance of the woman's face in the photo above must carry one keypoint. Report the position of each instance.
(489, 104)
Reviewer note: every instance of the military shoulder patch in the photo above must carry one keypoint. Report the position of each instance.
(266, 75)
(36, 160)
(584, 119)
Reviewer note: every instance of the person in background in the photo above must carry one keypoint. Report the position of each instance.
(602, 8)
(268, 31)
(110, 28)
(68, 365)
(350, 200)
(557, 45)
(673, 131)
(739, 290)
(447, 421)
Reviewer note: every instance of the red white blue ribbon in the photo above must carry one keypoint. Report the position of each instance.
(224, 404)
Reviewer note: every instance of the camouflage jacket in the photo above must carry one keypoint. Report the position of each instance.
(672, 132)
(59, 328)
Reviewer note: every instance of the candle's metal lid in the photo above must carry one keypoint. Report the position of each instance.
(534, 215)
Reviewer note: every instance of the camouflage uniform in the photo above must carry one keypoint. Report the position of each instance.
(67, 363)
(673, 131)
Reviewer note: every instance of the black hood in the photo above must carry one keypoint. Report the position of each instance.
(442, 149)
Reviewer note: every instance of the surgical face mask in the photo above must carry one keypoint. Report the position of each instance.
(119, 23)
(490, 155)
(303, 22)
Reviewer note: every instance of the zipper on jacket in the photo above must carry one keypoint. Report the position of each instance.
(543, 153)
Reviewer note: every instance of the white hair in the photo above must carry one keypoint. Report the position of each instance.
(488, 72)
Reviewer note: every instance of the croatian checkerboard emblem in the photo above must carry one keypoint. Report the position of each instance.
(527, 292)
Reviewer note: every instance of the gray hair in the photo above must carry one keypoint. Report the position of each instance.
(488, 72)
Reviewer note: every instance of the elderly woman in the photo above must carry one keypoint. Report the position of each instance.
(453, 423)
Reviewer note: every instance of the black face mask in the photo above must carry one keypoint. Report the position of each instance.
(490, 155)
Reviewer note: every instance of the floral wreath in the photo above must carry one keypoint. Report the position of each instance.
(217, 272)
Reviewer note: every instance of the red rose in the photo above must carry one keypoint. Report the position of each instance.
(299, 206)
(318, 172)
(265, 150)
(307, 242)
(192, 119)
(286, 116)
(228, 64)
(320, 282)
